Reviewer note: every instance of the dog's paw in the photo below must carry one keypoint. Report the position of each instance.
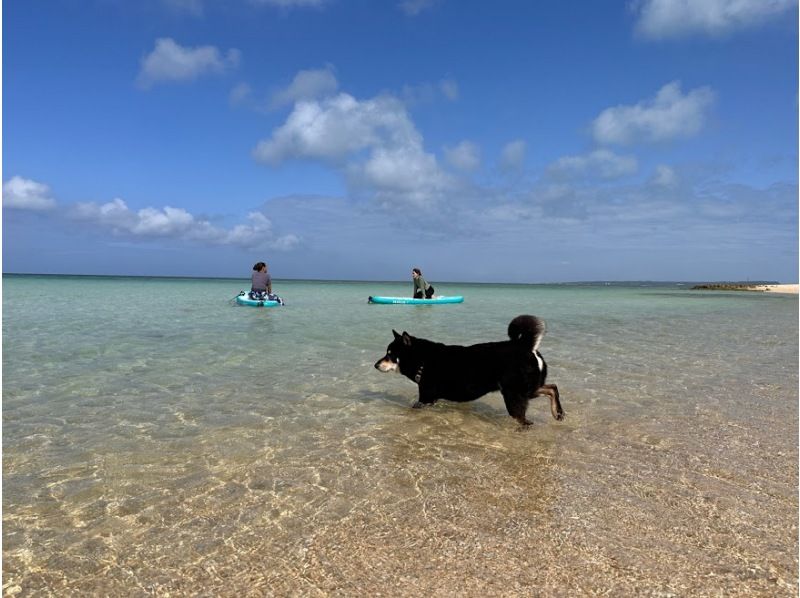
(417, 405)
(560, 416)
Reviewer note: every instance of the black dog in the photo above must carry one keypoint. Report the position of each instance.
(455, 373)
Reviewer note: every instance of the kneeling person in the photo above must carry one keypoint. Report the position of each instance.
(421, 286)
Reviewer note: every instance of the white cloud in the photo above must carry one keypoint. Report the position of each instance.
(307, 85)
(659, 19)
(599, 163)
(465, 156)
(400, 174)
(449, 87)
(257, 232)
(669, 115)
(513, 155)
(25, 194)
(177, 223)
(413, 7)
(330, 129)
(664, 176)
(373, 142)
(171, 62)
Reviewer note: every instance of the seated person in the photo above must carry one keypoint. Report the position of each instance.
(261, 285)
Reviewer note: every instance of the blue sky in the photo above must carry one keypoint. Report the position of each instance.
(481, 141)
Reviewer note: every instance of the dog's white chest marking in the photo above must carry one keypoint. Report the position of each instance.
(539, 359)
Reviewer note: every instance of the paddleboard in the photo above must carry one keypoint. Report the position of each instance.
(243, 299)
(412, 301)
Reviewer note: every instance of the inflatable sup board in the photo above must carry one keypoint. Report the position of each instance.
(412, 301)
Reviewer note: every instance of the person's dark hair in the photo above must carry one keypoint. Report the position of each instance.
(258, 266)
(417, 270)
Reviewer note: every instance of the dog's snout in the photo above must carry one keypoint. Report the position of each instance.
(386, 365)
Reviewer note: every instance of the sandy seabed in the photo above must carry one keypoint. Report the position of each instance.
(135, 465)
(454, 501)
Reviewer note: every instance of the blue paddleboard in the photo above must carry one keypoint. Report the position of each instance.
(412, 301)
(243, 299)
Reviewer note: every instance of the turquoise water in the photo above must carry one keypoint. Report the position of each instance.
(159, 439)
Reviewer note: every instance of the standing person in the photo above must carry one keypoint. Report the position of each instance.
(421, 286)
(261, 281)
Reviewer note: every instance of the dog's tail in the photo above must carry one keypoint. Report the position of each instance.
(527, 330)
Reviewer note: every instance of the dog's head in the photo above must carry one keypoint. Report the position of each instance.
(394, 352)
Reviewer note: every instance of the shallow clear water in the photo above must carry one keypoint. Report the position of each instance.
(158, 439)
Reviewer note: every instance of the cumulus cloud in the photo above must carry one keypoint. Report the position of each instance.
(373, 142)
(465, 156)
(307, 85)
(330, 129)
(177, 223)
(660, 19)
(400, 174)
(600, 163)
(25, 194)
(513, 155)
(670, 115)
(171, 62)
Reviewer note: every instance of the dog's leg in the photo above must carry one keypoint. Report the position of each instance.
(517, 405)
(551, 390)
(425, 398)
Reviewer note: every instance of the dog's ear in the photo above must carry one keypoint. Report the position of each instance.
(396, 334)
(406, 338)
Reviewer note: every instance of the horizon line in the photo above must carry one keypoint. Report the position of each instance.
(574, 282)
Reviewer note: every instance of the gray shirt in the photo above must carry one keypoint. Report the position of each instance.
(261, 281)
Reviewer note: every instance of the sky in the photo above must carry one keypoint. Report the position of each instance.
(505, 141)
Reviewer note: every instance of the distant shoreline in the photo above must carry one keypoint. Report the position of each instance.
(777, 288)
(791, 289)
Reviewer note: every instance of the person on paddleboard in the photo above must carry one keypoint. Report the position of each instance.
(422, 288)
(261, 285)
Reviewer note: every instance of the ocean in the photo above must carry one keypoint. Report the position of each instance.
(160, 440)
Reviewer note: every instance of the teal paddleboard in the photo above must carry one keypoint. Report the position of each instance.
(243, 299)
(412, 301)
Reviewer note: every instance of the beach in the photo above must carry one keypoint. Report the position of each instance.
(178, 444)
(778, 288)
